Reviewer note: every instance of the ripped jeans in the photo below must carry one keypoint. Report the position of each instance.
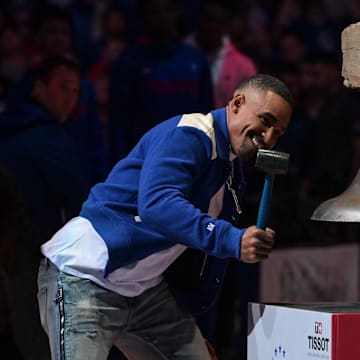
(84, 320)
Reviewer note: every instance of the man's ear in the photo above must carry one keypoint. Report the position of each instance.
(237, 101)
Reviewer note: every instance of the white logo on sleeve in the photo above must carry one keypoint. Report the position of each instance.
(210, 226)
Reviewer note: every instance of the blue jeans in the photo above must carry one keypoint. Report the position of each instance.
(84, 320)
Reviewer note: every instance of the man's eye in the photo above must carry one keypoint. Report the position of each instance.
(267, 122)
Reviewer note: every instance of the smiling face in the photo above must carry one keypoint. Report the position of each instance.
(256, 119)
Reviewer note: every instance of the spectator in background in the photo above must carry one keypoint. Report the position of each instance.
(157, 78)
(288, 13)
(88, 24)
(13, 61)
(113, 34)
(100, 83)
(322, 32)
(313, 23)
(291, 49)
(113, 41)
(261, 45)
(42, 158)
(238, 28)
(53, 34)
(229, 67)
(84, 15)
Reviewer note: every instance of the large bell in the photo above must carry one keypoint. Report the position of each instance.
(342, 208)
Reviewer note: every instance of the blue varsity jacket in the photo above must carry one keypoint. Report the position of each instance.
(160, 193)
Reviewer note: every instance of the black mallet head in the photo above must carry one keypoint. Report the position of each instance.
(272, 162)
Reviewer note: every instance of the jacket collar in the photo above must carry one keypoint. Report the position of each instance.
(222, 133)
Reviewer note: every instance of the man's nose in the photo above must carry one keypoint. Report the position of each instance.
(270, 137)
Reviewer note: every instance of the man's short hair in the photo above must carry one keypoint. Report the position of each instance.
(49, 64)
(265, 83)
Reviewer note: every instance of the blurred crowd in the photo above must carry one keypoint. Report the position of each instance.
(108, 70)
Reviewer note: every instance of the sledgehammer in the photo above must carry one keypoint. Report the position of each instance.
(272, 162)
